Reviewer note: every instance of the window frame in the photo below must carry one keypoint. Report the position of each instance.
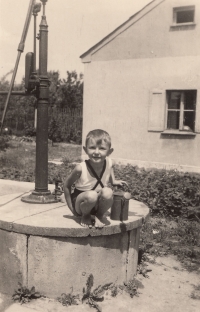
(181, 9)
(181, 110)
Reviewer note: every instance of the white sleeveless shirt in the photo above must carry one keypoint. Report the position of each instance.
(86, 182)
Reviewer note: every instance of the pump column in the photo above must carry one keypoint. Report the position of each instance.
(41, 194)
(41, 181)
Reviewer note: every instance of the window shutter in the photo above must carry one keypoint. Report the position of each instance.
(156, 110)
(197, 117)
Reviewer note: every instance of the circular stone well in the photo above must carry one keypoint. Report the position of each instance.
(45, 246)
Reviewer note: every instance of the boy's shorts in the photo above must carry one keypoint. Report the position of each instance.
(74, 196)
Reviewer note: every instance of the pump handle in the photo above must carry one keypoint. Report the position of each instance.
(20, 50)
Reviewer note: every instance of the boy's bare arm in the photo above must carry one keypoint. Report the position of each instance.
(113, 181)
(71, 179)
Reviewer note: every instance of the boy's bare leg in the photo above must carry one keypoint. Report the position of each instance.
(84, 204)
(105, 201)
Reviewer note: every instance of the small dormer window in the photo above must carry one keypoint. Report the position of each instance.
(183, 15)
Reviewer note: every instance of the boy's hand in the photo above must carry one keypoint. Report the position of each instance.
(120, 183)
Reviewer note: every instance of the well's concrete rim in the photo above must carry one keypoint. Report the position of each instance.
(57, 220)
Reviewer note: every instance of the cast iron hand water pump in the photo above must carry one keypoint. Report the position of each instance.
(37, 85)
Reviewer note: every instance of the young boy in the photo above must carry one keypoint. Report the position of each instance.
(91, 195)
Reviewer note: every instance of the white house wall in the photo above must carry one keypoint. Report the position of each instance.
(117, 94)
(120, 75)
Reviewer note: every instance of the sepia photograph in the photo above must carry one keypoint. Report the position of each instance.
(99, 155)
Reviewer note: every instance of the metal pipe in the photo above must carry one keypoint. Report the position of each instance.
(36, 10)
(35, 14)
(13, 93)
(26, 25)
(34, 43)
(41, 173)
(20, 50)
(41, 194)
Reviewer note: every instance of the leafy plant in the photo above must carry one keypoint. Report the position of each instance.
(164, 192)
(68, 299)
(114, 290)
(24, 295)
(92, 297)
(131, 288)
(141, 269)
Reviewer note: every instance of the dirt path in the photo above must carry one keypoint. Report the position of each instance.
(169, 288)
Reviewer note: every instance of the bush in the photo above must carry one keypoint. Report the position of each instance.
(7, 131)
(74, 137)
(29, 131)
(4, 143)
(164, 192)
(54, 131)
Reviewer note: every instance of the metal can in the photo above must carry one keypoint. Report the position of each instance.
(120, 206)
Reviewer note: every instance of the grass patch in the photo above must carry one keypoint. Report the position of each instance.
(177, 236)
(65, 152)
(18, 155)
(18, 161)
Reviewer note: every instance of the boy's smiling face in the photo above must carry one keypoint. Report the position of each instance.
(97, 150)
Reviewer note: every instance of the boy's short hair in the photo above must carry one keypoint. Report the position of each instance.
(99, 136)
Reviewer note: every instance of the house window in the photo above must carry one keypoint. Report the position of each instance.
(183, 15)
(181, 106)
